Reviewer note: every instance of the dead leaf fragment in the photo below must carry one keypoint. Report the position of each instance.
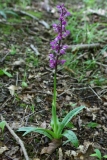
(15, 125)
(45, 5)
(19, 62)
(12, 89)
(60, 154)
(12, 151)
(105, 54)
(83, 152)
(43, 125)
(69, 153)
(3, 149)
(105, 129)
(52, 146)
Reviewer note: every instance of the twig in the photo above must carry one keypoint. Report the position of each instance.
(34, 49)
(34, 113)
(19, 141)
(83, 46)
(99, 12)
(4, 57)
(35, 91)
(17, 75)
(95, 93)
(104, 65)
(3, 105)
(82, 55)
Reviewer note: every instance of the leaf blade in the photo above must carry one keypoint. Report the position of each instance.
(43, 131)
(98, 153)
(68, 117)
(2, 125)
(71, 136)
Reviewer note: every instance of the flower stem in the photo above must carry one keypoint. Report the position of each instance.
(54, 116)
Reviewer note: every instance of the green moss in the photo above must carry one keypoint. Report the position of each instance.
(14, 20)
(6, 29)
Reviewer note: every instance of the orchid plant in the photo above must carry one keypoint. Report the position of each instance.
(57, 127)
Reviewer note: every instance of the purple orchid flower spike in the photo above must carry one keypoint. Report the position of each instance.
(56, 45)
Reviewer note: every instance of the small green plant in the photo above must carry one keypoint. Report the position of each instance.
(24, 83)
(98, 154)
(92, 124)
(13, 50)
(36, 14)
(89, 3)
(90, 64)
(2, 125)
(4, 72)
(98, 80)
(57, 126)
(31, 58)
(5, 12)
(32, 107)
(24, 3)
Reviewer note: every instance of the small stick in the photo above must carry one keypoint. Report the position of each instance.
(4, 57)
(19, 141)
(83, 46)
(104, 65)
(99, 12)
(17, 75)
(95, 93)
(34, 49)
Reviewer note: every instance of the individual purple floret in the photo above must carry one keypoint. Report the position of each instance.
(56, 45)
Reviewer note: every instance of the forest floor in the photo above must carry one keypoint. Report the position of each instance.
(26, 80)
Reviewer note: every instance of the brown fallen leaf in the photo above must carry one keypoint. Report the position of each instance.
(12, 89)
(3, 149)
(19, 62)
(83, 152)
(60, 154)
(43, 125)
(12, 151)
(45, 5)
(52, 146)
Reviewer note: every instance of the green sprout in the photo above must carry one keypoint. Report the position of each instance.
(98, 154)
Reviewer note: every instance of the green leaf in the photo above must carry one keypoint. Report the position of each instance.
(26, 129)
(69, 125)
(68, 117)
(11, 12)
(92, 124)
(94, 155)
(1, 72)
(7, 73)
(2, 125)
(105, 156)
(24, 84)
(52, 123)
(43, 131)
(71, 136)
(2, 13)
(97, 154)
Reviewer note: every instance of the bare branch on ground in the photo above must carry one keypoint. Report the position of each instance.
(19, 141)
